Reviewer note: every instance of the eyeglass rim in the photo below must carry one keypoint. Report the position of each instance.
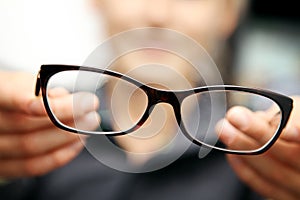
(284, 103)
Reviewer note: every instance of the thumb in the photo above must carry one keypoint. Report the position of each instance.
(292, 131)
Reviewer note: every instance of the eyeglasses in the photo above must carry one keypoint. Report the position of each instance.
(126, 106)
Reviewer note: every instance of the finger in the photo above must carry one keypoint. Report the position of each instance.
(41, 164)
(18, 145)
(283, 151)
(291, 133)
(233, 138)
(58, 92)
(18, 94)
(91, 121)
(42, 141)
(287, 153)
(12, 122)
(73, 105)
(252, 178)
(251, 124)
(275, 172)
(36, 105)
(62, 102)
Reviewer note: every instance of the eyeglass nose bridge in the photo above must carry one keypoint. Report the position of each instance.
(174, 99)
(156, 96)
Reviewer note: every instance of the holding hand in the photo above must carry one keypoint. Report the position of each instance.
(30, 145)
(276, 173)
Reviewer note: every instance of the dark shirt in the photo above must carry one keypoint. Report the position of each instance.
(85, 178)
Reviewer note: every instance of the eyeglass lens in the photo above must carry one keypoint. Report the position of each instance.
(101, 103)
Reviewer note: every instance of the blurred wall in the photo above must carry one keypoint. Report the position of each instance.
(35, 32)
(268, 47)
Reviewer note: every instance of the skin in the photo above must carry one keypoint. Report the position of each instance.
(274, 174)
(30, 145)
(213, 26)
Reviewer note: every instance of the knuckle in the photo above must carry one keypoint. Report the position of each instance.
(33, 167)
(292, 153)
(27, 144)
(19, 122)
(38, 166)
(278, 177)
(18, 118)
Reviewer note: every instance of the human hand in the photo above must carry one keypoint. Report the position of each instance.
(30, 145)
(276, 173)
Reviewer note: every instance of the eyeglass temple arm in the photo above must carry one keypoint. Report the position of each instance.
(38, 85)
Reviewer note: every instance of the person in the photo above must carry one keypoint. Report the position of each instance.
(40, 161)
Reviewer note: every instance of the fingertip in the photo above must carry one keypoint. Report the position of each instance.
(66, 154)
(77, 146)
(90, 121)
(46, 163)
(291, 133)
(240, 117)
(226, 131)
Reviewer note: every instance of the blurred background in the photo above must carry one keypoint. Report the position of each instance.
(266, 47)
(35, 32)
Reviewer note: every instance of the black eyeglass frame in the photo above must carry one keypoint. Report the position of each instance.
(174, 98)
